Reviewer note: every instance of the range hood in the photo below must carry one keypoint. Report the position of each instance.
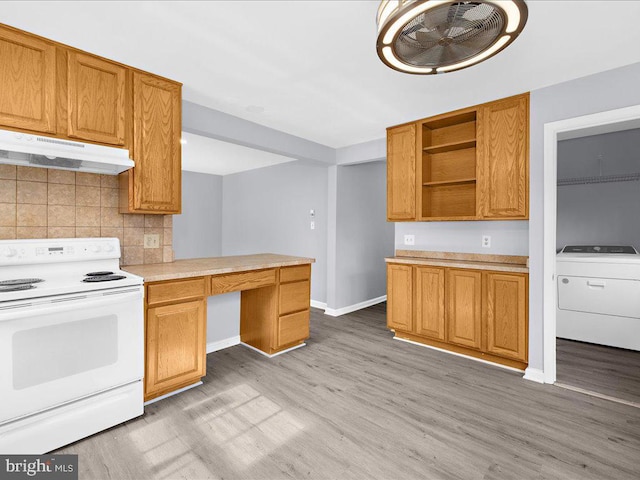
(45, 152)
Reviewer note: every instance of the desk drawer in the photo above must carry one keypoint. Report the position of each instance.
(295, 274)
(176, 290)
(293, 328)
(233, 282)
(294, 297)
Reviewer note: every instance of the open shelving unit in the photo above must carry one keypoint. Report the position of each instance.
(448, 174)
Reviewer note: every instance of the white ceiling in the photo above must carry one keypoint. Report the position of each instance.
(206, 155)
(312, 65)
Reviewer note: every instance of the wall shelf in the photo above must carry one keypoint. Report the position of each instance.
(448, 167)
(450, 147)
(459, 181)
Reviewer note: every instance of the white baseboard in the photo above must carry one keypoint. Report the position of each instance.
(273, 354)
(534, 374)
(317, 304)
(352, 308)
(222, 344)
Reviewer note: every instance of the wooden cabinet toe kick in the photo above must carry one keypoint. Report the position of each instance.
(457, 349)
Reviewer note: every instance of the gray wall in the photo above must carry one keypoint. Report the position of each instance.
(363, 236)
(267, 210)
(596, 93)
(507, 237)
(197, 231)
(602, 213)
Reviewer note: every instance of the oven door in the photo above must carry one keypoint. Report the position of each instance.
(61, 349)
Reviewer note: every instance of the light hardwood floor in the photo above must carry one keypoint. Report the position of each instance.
(614, 372)
(355, 404)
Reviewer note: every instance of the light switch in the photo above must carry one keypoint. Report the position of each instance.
(409, 239)
(313, 225)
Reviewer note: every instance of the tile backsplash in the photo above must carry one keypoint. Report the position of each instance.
(44, 203)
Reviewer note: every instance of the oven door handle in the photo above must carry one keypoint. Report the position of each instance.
(72, 302)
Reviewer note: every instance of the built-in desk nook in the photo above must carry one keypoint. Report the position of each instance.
(274, 311)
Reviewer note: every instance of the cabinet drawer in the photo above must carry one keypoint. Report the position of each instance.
(294, 297)
(176, 290)
(234, 282)
(293, 328)
(295, 274)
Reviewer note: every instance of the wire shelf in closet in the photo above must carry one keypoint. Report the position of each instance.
(629, 177)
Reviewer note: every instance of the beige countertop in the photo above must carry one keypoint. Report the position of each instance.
(500, 263)
(199, 267)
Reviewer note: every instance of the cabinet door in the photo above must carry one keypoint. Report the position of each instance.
(503, 137)
(175, 347)
(96, 99)
(430, 313)
(506, 314)
(28, 80)
(400, 297)
(401, 173)
(464, 309)
(156, 151)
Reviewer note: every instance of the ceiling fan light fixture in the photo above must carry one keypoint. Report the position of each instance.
(437, 36)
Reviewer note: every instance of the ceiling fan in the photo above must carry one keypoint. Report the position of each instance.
(435, 36)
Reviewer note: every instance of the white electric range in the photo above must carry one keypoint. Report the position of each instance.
(71, 342)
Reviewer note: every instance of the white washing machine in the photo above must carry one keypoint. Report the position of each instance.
(599, 295)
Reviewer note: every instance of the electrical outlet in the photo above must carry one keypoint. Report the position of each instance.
(409, 239)
(313, 225)
(486, 241)
(151, 240)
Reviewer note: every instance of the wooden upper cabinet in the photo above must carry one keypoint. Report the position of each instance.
(506, 315)
(464, 307)
(155, 186)
(503, 163)
(401, 173)
(400, 297)
(430, 307)
(27, 82)
(96, 99)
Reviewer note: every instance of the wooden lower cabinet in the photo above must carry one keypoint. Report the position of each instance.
(400, 297)
(175, 346)
(506, 315)
(430, 306)
(276, 317)
(464, 307)
(479, 313)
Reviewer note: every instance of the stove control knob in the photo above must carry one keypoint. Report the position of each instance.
(8, 252)
(95, 248)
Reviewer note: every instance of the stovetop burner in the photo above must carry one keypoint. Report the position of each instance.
(15, 288)
(20, 281)
(103, 278)
(98, 274)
